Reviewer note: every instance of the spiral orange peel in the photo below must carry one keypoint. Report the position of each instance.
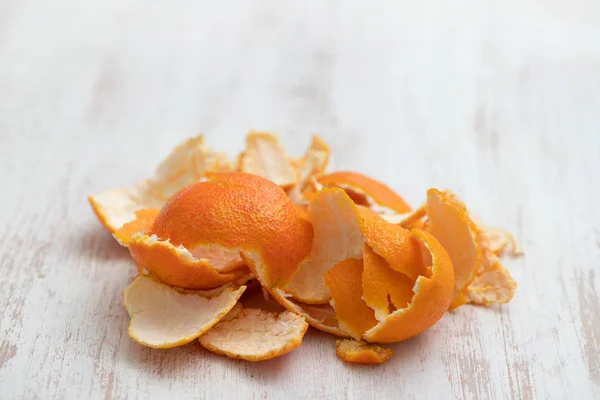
(255, 335)
(185, 165)
(164, 317)
(359, 352)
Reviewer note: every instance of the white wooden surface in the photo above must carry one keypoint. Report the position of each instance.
(498, 100)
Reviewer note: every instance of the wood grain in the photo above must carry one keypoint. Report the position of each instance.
(497, 100)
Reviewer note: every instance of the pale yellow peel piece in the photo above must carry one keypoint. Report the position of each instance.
(164, 317)
(359, 352)
(493, 284)
(255, 335)
(337, 237)
(313, 163)
(265, 156)
(500, 240)
(185, 165)
(320, 316)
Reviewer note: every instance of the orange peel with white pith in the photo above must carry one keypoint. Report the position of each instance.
(241, 212)
(253, 334)
(265, 156)
(185, 165)
(359, 352)
(312, 164)
(480, 277)
(364, 191)
(164, 317)
(337, 237)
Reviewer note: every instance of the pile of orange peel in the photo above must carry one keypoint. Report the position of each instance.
(338, 251)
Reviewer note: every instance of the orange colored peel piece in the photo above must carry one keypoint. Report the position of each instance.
(242, 212)
(382, 286)
(176, 266)
(359, 352)
(366, 191)
(344, 282)
(449, 222)
(144, 219)
(431, 300)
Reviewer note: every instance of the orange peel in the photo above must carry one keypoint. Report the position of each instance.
(255, 335)
(359, 352)
(312, 164)
(239, 212)
(185, 165)
(337, 237)
(265, 156)
(432, 296)
(143, 221)
(480, 277)
(364, 191)
(383, 287)
(164, 317)
(449, 221)
(493, 284)
(176, 266)
(500, 240)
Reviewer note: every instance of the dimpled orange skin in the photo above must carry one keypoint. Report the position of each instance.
(242, 211)
(381, 194)
(431, 300)
(395, 244)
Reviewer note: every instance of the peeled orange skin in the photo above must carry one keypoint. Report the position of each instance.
(344, 282)
(337, 237)
(449, 221)
(239, 211)
(395, 244)
(144, 219)
(382, 285)
(359, 352)
(431, 300)
(362, 189)
(176, 266)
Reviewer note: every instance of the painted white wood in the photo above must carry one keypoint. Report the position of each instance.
(498, 100)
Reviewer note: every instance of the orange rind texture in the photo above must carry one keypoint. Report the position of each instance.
(255, 335)
(163, 317)
(242, 212)
(501, 240)
(359, 352)
(185, 165)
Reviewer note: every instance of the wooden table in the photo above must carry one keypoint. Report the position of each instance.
(497, 100)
